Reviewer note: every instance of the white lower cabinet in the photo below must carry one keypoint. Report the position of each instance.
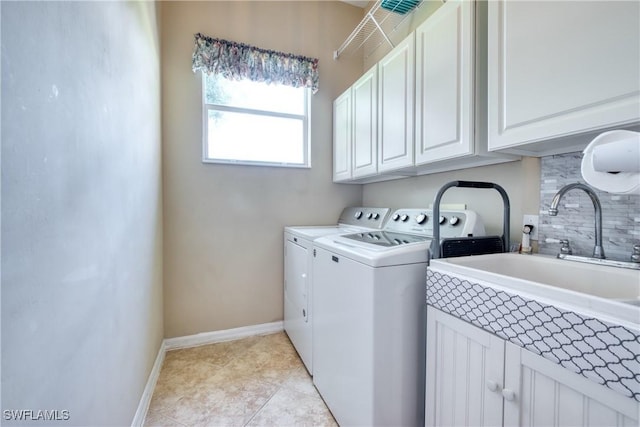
(475, 378)
(462, 361)
(546, 394)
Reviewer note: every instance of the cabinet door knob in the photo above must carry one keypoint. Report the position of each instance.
(509, 395)
(492, 385)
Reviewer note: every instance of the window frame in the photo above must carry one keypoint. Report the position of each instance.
(306, 126)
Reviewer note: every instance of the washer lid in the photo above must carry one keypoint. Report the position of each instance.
(313, 232)
(375, 255)
(386, 238)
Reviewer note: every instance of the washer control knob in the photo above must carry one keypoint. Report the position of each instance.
(454, 220)
(358, 215)
(422, 218)
(369, 215)
(376, 215)
(442, 220)
(395, 217)
(404, 217)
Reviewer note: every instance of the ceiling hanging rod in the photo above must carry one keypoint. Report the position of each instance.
(381, 31)
(369, 25)
(356, 32)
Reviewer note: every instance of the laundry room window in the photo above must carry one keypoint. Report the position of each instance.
(254, 123)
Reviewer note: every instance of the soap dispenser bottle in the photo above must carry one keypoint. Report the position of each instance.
(525, 246)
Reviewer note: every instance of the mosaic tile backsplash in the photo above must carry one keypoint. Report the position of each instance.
(575, 220)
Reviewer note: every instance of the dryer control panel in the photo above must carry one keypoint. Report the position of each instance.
(452, 223)
(364, 217)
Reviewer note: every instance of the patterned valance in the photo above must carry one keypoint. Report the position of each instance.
(238, 61)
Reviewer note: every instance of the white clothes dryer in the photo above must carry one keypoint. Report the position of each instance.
(298, 260)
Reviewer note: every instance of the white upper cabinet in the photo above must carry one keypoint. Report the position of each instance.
(342, 137)
(430, 100)
(365, 124)
(445, 83)
(560, 72)
(396, 77)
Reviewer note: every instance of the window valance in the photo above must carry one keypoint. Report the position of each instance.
(240, 61)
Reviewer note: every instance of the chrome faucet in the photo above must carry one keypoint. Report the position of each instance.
(598, 251)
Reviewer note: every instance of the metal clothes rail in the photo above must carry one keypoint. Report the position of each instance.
(375, 29)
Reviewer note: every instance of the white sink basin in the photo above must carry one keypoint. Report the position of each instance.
(616, 290)
(600, 281)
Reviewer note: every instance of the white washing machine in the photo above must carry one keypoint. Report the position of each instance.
(369, 314)
(298, 260)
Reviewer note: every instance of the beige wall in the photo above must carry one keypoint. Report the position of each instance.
(81, 208)
(223, 224)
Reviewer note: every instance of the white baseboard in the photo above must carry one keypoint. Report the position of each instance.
(145, 400)
(220, 336)
(194, 341)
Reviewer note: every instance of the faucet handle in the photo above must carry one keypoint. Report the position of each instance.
(566, 246)
(635, 256)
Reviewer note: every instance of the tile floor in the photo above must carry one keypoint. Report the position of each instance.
(256, 381)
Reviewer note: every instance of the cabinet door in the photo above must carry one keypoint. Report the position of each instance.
(365, 124)
(342, 137)
(396, 82)
(464, 373)
(560, 68)
(546, 394)
(444, 83)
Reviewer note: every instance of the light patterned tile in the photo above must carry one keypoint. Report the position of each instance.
(193, 411)
(221, 398)
(291, 408)
(158, 420)
(299, 380)
(178, 379)
(218, 354)
(227, 384)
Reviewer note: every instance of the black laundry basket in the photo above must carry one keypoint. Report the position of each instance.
(455, 247)
(475, 245)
